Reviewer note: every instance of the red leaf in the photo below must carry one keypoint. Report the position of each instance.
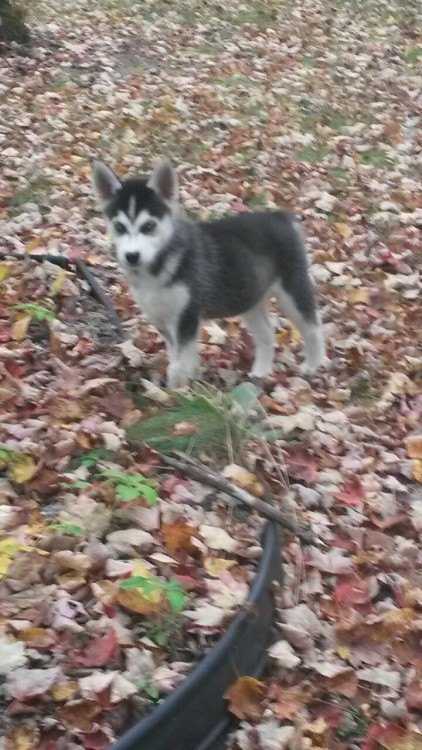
(300, 464)
(97, 740)
(101, 651)
(413, 695)
(378, 733)
(351, 493)
(353, 591)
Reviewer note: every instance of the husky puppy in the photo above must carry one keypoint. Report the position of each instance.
(184, 272)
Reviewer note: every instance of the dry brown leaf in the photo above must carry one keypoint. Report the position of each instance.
(285, 703)
(79, 715)
(215, 566)
(245, 698)
(177, 537)
(414, 446)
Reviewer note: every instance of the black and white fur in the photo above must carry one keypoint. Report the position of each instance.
(184, 272)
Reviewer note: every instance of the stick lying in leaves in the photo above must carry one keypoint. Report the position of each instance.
(198, 471)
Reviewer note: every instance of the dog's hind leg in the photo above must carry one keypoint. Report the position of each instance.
(298, 304)
(259, 325)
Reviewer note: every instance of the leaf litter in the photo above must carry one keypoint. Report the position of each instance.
(313, 107)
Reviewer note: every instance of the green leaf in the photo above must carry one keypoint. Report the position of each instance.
(161, 638)
(176, 599)
(126, 493)
(152, 691)
(67, 528)
(76, 485)
(149, 494)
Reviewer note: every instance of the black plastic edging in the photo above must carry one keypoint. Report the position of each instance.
(195, 714)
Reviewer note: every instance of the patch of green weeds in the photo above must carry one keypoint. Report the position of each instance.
(41, 313)
(363, 388)
(355, 722)
(312, 154)
(35, 191)
(377, 159)
(413, 55)
(164, 631)
(91, 459)
(129, 487)
(221, 423)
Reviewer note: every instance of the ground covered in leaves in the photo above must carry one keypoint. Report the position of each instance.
(313, 106)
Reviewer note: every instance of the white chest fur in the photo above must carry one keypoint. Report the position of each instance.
(162, 305)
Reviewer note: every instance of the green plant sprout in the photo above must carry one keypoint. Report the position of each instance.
(172, 589)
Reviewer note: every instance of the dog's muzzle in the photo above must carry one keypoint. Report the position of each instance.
(133, 258)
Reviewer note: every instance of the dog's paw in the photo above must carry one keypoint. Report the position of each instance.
(311, 368)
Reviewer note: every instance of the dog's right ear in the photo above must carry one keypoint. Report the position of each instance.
(106, 183)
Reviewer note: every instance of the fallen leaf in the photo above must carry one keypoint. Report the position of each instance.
(243, 478)
(101, 651)
(207, 616)
(285, 703)
(351, 493)
(22, 738)
(12, 655)
(177, 537)
(215, 566)
(20, 327)
(414, 446)
(359, 296)
(219, 539)
(79, 715)
(64, 691)
(25, 684)
(284, 655)
(134, 601)
(22, 469)
(245, 698)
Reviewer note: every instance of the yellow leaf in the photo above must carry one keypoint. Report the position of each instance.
(345, 230)
(343, 652)
(58, 282)
(319, 726)
(22, 738)
(9, 547)
(414, 446)
(134, 601)
(4, 271)
(359, 296)
(36, 242)
(140, 569)
(64, 691)
(215, 566)
(23, 468)
(245, 698)
(20, 327)
(417, 470)
(31, 634)
(5, 562)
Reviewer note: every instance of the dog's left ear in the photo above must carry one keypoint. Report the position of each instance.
(106, 183)
(164, 181)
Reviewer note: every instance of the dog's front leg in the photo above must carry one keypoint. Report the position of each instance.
(183, 351)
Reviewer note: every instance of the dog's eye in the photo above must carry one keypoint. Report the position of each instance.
(148, 227)
(119, 228)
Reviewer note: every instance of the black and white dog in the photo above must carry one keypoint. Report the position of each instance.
(184, 272)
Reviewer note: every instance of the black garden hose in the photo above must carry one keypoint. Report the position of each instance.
(84, 272)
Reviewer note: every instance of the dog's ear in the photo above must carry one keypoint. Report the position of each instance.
(106, 183)
(164, 181)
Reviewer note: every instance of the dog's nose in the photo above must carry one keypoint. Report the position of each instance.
(132, 258)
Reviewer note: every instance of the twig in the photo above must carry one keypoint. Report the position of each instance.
(198, 471)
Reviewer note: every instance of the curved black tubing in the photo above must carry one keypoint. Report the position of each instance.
(195, 714)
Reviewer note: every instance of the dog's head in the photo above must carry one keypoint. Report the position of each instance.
(140, 212)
